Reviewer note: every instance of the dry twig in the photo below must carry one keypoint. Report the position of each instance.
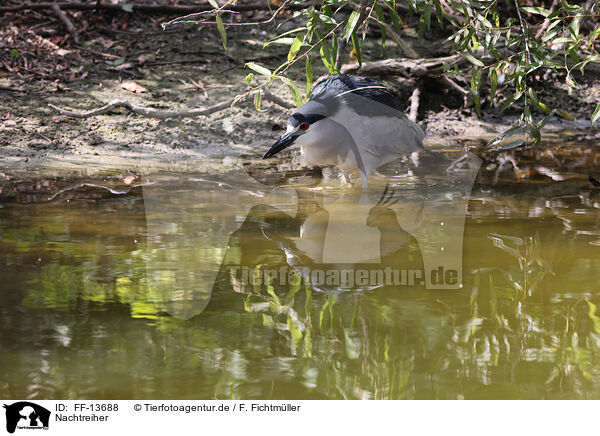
(63, 17)
(165, 114)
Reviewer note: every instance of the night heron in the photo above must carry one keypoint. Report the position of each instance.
(352, 122)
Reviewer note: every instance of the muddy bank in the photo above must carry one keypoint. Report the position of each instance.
(179, 70)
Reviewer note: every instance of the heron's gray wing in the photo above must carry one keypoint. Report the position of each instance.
(381, 133)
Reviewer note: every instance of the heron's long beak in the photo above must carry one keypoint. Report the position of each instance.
(284, 142)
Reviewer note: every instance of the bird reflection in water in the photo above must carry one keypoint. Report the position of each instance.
(345, 241)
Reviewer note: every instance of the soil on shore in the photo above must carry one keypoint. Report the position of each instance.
(127, 55)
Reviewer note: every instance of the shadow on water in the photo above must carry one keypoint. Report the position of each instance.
(262, 284)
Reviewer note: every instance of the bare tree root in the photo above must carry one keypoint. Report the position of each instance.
(165, 114)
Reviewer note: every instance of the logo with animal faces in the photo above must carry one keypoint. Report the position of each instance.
(25, 415)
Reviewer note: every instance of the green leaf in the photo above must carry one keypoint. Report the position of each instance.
(381, 19)
(351, 25)
(547, 118)
(510, 132)
(510, 145)
(425, 20)
(275, 298)
(593, 316)
(537, 10)
(475, 79)
(222, 31)
(477, 101)
(565, 114)
(534, 99)
(496, 17)
(249, 78)
(493, 84)
(289, 32)
(334, 49)
(594, 59)
(475, 42)
(439, 11)
(295, 331)
(510, 101)
(472, 59)
(563, 39)
(257, 99)
(427, 15)
(326, 56)
(594, 36)
(293, 90)
(116, 62)
(574, 27)
(534, 131)
(309, 76)
(260, 70)
(214, 4)
(294, 48)
(283, 41)
(550, 33)
(327, 19)
(572, 8)
(595, 115)
(396, 20)
(356, 45)
(127, 8)
(533, 96)
(307, 344)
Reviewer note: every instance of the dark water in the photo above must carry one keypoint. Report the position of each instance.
(146, 294)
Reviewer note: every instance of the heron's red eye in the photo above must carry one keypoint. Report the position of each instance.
(304, 126)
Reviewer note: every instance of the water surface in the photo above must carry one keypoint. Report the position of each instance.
(140, 293)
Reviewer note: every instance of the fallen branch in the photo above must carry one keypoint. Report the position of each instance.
(164, 114)
(406, 67)
(63, 17)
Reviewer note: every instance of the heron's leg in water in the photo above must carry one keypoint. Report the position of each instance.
(365, 180)
(346, 178)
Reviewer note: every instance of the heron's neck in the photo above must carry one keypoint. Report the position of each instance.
(392, 237)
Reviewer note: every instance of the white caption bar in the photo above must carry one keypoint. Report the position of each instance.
(24, 417)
